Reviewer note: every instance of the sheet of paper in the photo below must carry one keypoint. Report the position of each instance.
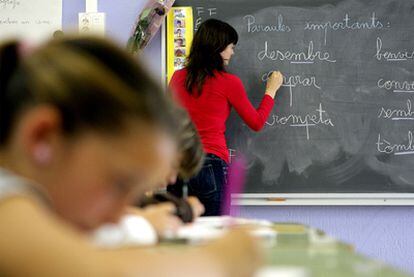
(33, 20)
(278, 271)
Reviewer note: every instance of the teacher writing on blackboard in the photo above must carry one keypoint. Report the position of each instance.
(208, 92)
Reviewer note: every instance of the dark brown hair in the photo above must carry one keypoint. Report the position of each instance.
(212, 37)
(93, 84)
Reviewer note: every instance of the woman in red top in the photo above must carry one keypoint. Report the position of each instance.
(208, 93)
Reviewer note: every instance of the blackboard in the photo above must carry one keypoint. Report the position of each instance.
(343, 122)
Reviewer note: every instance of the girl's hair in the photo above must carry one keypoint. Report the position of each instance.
(190, 147)
(212, 37)
(92, 83)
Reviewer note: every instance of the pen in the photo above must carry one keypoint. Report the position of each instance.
(185, 189)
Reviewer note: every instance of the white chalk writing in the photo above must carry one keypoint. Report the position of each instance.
(392, 56)
(307, 121)
(306, 56)
(396, 86)
(384, 146)
(252, 27)
(200, 11)
(345, 24)
(232, 153)
(292, 81)
(397, 114)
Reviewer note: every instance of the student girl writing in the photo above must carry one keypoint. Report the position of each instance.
(83, 132)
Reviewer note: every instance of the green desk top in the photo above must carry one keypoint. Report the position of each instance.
(313, 252)
(320, 255)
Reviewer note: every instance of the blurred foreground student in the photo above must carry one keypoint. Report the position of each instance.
(208, 93)
(81, 136)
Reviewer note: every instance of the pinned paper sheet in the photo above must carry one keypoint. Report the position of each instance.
(31, 20)
(92, 23)
(91, 6)
(148, 23)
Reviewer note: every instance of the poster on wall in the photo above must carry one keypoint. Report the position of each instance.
(148, 23)
(179, 38)
(92, 23)
(33, 20)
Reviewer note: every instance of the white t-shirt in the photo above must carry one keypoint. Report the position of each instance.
(132, 230)
(12, 185)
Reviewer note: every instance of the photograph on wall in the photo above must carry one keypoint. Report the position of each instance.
(179, 42)
(179, 32)
(179, 23)
(180, 52)
(179, 13)
(179, 63)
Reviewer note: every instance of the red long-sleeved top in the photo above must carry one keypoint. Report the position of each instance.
(211, 109)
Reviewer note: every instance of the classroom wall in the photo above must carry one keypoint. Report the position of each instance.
(384, 233)
(120, 18)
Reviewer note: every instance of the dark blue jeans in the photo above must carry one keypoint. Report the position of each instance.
(209, 184)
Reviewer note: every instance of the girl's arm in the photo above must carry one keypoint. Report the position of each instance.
(34, 242)
(254, 118)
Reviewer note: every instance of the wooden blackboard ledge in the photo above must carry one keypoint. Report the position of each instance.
(323, 199)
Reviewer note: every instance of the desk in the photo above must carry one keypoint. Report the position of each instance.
(303, 247)
(320, 255)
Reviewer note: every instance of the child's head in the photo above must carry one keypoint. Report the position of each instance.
(190, 156)
(82, 119)
(190, 148)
